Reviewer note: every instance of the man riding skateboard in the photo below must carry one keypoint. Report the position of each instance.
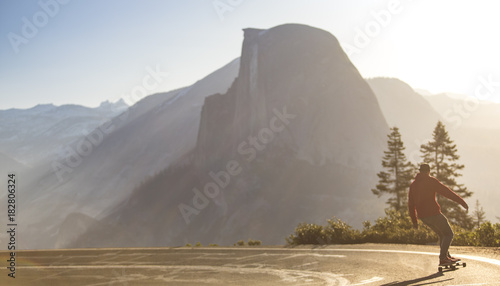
(422, 203)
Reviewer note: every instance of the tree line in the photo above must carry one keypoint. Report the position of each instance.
(441, 155)
(395, 179)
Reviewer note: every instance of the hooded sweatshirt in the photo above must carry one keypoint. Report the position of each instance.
(422, 197)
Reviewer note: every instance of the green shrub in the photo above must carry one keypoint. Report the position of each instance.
(394, 227)
(240, 243)
(254, 242)
(340, 232)
(307, 233)
(464, 237)
(496, 226)
(486, 235)
(198, 244)
(213, 244)
(188, 244)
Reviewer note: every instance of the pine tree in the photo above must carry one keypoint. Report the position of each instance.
(399, 172)
(479, 215)
(441, 154)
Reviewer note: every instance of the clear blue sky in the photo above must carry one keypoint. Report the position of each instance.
(86, 52)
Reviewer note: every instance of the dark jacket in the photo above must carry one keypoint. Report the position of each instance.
(422, 197)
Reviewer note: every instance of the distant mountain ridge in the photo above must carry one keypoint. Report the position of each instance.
(404, 108)
(460, 110)
(34, 134)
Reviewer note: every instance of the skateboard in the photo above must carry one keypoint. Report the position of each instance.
(452, 266)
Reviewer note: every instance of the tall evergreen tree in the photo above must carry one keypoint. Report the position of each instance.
(398, 173)
(441, 154)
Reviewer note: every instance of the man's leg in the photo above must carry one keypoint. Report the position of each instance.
(431, 223)
(439, 224)
(445, 227)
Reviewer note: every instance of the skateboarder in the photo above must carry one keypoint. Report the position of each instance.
(422, 202)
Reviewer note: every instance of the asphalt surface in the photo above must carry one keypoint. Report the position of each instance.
(370, 264)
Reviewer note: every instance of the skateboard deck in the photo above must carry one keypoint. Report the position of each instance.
(452, 266)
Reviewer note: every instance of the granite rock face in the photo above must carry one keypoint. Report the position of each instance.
(297, 137)
(301, 71)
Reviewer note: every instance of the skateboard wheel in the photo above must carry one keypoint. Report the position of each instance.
(453, 267)
(440, 269)
(464, 264)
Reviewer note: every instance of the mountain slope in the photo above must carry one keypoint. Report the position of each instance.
(8, 164)
(465, 111)
(297, 137)
(136, 144)
(409, 111)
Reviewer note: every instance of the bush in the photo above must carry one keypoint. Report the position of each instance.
(340, 232)
(336, 231)
(213, 244)
(307, 233)
(487, 234)
(240, 243)
(395, 227)
(464, 237)
(254, 242)
(496, 226)
(188, 244)
(198, 244)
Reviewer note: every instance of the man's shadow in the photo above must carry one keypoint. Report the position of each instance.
(417, 280)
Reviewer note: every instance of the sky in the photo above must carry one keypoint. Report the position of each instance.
(89, 51)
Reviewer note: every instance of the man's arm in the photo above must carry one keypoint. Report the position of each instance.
(448, 193)
(412, 209)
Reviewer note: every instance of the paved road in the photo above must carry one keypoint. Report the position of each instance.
(333, 265)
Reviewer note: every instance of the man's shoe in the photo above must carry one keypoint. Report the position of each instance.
(446, 261)
(454, 259)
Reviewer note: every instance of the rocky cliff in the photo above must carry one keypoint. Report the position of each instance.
(297, 137)
(301, 71)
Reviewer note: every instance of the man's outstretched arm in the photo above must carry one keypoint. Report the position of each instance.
(448, 193)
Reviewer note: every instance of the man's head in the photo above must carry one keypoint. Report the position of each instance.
(425, 169)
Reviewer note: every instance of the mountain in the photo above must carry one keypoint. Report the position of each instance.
(32, 135)
(409, 111)
(9, 164)
(101, 169)
(460, 110)
(423, 92)
(297, 137)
